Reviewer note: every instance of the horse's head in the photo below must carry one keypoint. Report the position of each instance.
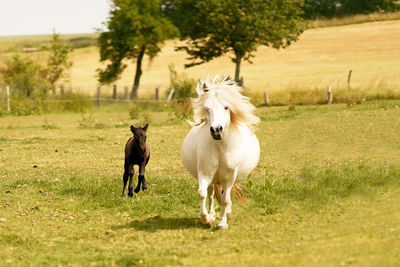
(218, 113)
(220, 104)
(140, 136)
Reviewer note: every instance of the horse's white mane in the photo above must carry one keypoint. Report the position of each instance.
(228, 92)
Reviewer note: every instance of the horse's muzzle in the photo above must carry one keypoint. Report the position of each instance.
(216, 132)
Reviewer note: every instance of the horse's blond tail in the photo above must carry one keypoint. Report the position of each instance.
(236, 189)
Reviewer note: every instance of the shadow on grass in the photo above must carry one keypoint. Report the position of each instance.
(160, 223)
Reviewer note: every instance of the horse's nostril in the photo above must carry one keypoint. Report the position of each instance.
(216, 129)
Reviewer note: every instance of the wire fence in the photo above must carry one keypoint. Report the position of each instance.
(9, 96)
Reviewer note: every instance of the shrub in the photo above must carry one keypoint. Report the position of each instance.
(183, 85)
(183, 110)
(134, 112)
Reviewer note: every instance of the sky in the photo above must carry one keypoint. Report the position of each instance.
(27, 17)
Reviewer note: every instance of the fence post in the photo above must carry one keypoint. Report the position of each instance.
(348, 79)
(240, 82)
(62, 90)
(329, 95)
(266, 98)
(170, 94)
(8, 98)
(157, 94)
(98, 96)
(126, 94)
(115, 91)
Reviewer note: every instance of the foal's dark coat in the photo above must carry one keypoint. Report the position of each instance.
(137, 152)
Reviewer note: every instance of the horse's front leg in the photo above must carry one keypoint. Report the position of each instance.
(210, 193)
(141, 179)
(130, 170)
(204, 183)
(125, 178)
(226, 203)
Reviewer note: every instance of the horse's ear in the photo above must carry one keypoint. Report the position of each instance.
(145, 127)
(133, 129)
(229, 80)
(201, 89)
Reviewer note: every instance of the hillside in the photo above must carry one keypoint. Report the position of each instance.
(322, 56)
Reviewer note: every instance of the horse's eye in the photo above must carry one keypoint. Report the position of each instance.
(226, 108)
(207, 109)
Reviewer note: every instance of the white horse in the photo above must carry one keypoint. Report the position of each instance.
(221, 148)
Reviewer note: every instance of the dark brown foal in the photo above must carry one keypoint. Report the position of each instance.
(137, 152)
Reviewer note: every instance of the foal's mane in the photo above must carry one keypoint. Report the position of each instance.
(228, 92)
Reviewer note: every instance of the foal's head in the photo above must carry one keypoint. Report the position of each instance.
(139, 134)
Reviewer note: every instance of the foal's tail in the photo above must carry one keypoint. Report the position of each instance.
(236, 189)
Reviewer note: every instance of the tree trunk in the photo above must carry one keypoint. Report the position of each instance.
(237, 70)
(138, 72)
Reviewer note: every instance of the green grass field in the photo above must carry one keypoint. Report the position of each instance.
(325, 192)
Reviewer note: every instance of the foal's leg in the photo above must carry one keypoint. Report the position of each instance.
(125, 178)
(210, 193)
(204, 183)
(141, 180)
(226, 203)
(144, 182)
(131, 172)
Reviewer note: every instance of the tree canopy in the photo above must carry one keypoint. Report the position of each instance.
(333, 8)
(135, 28)
(58, 62)
(212, 28)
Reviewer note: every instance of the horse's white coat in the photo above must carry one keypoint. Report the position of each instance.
(223, 161)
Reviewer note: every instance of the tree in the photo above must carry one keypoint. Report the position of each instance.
(314, 9)
(135, 28)
(58, 62)
(215, 27)
(335, 8)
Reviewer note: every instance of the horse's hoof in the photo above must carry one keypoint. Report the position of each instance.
(144, 189)
(223, 226)
(206, 219)
(130, 194)
(137, 190)
(212, 216)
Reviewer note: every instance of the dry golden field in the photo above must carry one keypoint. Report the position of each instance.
(321, 57)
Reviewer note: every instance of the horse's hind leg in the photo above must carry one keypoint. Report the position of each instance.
(210, 193)
(131, 172)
